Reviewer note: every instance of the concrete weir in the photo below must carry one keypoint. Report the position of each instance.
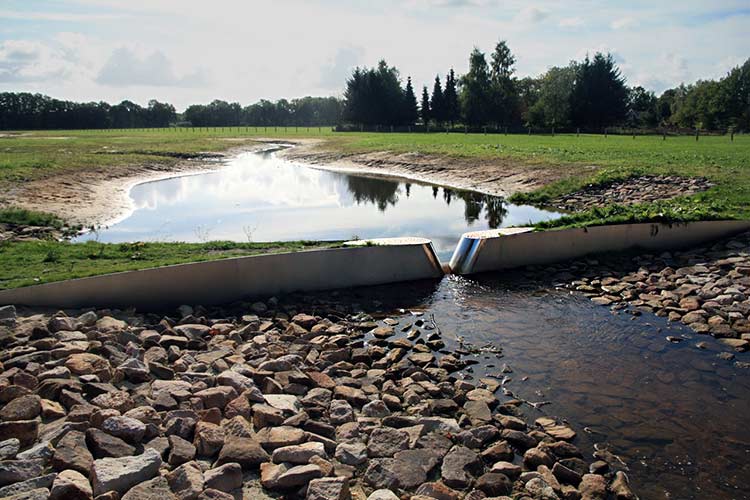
(499, 249)
(358, 263)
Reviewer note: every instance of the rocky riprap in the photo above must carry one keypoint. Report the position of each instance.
(706, 288)
(260, 400)
(640, 189)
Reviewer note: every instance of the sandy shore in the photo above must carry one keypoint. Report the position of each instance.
(499, 176)
(101, 197)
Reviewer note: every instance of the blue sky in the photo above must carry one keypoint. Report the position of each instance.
(186, 51)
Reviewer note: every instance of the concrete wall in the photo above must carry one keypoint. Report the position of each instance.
(221, 281)
(504, 249)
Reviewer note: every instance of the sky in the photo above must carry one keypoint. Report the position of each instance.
(190, 51)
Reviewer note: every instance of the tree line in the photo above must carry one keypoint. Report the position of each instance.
(26, 111)
(591, 94)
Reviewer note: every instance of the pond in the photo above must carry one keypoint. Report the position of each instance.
(261, 197)
(676, 415)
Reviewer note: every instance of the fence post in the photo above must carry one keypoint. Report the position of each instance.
(529, 130)
(696, 135)
(663, 135)
(466, 129)
(578, 131)
(731, 137)
(506, 130)
(553, 131)
(605, 132)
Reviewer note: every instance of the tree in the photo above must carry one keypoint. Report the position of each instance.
(411, 113)
(599, 96)
(437, 104)
(374, 96)
(642, 107)
(424, 109)
(552, 108)
(503, 93)
(452, 111)
(475, 90)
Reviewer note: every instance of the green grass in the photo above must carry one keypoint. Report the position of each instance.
(36, 262)
(725, 163)
(576, 161)
(21, 216)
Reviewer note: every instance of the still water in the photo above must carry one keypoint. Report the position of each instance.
(678, 416)
(260, 197)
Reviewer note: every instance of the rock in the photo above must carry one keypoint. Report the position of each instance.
(376, 409)
(71, 452)
(386, 442)
(180, 451)
(121, 474)
(540, 490)
(340, 412)
(297, 476)
(26, 431)
(9, 448)
(227, 477)
(209, 438)
(276, 437)
(125, 428)
(104, 445)
(36, 483)
(154, 489)
(186, 481)
(247, 452)
(23, 408)
(37, 494)
(71, 485)
(382, 494)
(459, 467)
(494, 484)
(89, 364)
(328, 488)
(394, 474)
(500, 451)
(534, 457)
(283, 402)
(351, 453)
(13, 471)
(298, 454)
(211, 494)
(438, 491)
(621, 487)
(508, 469)
(566, 475)
(593, 487)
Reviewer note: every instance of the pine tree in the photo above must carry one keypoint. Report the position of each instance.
(475, 90)
(599, 96)
(425, 111)
(437, 103)
(411, 113)
(451, 108)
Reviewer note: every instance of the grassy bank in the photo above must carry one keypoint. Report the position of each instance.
(36, 262)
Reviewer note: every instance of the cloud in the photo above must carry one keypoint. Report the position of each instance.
(54, 16)
(31, 61)
(340, 67)
(532, 15)
(623, 23)
(571, 22)
(125, 68)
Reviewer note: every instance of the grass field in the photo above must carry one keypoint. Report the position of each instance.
(36, 262)
(33, 155)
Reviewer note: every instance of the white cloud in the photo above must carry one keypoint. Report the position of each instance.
(532, 15)
(127, 68)
(623, 23)
(54, 16)
(31, 61)
(571, 22)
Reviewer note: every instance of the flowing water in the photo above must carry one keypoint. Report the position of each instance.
(261, 197)
(678, 416)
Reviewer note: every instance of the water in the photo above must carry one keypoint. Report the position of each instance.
(260, 197)
(675, 414)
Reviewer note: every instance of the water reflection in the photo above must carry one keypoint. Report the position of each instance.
(263, 198)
